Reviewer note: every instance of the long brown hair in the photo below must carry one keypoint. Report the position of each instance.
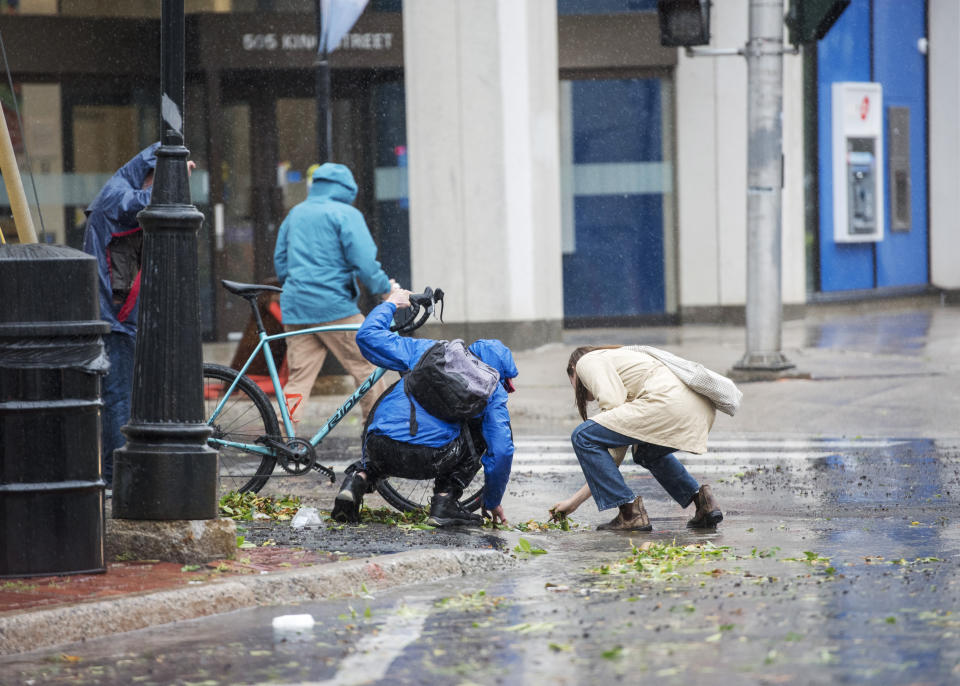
(579, 390)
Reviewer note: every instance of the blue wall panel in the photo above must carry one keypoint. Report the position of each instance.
(843, 55)
(899, 66)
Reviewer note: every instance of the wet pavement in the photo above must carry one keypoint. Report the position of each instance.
(842, 566)
(837, 561)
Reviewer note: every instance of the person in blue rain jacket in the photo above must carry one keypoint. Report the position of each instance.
(323, 248)
(113, 236)
(439, 449)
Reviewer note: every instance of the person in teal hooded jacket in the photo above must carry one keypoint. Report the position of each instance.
(323, 248)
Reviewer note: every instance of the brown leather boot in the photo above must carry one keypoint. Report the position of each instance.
(708, 513)
(635, 520)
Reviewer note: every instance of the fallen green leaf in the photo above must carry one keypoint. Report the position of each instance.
(614, 653)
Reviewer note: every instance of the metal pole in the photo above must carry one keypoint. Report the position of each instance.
(324, 136)
(11, 179)
(166, 470)
(764, 53)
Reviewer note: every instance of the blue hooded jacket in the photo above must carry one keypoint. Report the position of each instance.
(392, 415)
(113, 215)
(323, 246)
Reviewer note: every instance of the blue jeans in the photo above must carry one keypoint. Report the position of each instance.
(117, 389)
(591, 443)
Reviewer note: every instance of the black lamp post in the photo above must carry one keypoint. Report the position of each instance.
(324, 141)
(166, 470)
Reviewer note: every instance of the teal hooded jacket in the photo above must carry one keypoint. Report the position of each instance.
(323, 247)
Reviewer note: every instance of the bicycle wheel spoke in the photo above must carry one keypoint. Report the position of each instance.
(414, 494)
(246, 417)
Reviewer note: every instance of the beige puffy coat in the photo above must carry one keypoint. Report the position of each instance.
(640, 398)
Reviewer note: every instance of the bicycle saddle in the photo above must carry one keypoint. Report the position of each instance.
(247, 290)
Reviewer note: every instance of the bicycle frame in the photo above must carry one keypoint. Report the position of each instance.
(263, 345)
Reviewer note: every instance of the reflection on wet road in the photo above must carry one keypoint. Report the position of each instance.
(834, 569)
(885, 333)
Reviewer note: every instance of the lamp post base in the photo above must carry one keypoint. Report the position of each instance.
(770, 362)
(165, 472)
(765, 367)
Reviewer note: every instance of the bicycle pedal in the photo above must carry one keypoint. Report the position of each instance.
(326, 470)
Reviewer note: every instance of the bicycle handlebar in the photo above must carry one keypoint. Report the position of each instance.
(406, 320)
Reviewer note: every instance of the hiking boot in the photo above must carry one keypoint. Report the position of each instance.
(636, 520)
(346, 506)
(445, 510)
(708, 513)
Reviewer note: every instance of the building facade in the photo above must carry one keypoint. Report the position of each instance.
(547, 163)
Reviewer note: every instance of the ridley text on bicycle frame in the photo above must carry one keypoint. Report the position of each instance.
(263, 346)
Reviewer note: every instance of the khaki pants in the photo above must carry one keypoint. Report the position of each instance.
(306, 354)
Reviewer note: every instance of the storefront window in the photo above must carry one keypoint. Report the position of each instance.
(390, 181)
(66, 150)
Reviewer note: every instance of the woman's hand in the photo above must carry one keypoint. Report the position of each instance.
(563, 508)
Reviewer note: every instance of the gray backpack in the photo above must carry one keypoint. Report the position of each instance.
(450, 383)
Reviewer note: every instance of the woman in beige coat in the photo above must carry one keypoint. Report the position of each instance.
(644, 405)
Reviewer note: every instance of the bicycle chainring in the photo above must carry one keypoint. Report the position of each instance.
(297, 456)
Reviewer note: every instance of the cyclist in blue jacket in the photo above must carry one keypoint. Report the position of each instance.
(439, 449)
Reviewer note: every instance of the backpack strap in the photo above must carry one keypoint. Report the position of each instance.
(471, 446)
(413, 410)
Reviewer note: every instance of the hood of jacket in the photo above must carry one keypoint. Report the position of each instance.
(495, 354)
(132, 174)
(334, 181)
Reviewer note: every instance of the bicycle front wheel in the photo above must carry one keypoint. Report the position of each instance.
(410, 495)
(246, 417)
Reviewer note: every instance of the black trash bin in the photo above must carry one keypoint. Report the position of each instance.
(51, 362)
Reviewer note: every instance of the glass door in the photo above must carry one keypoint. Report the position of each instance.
(617, 200)
(233, 217)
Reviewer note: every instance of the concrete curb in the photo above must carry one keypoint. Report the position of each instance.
(45, 628)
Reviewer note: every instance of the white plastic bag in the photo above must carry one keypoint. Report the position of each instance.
(306, 516)
(293, 622)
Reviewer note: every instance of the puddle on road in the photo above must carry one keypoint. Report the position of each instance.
(903, 333)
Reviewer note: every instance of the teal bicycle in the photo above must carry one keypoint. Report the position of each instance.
(246, 423)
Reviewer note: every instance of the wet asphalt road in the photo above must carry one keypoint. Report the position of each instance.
(835, 564)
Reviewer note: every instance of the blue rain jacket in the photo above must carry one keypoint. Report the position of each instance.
(113, 215)
(323, 246)
(392, 416)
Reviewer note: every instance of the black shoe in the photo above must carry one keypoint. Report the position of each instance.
(446, 511)
(346, 507)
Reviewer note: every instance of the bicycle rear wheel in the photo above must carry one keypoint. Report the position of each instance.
(410, 495)
(247, 416)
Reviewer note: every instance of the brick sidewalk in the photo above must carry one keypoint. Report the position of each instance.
(129, 578)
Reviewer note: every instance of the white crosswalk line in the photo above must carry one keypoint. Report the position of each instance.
(555, 454)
